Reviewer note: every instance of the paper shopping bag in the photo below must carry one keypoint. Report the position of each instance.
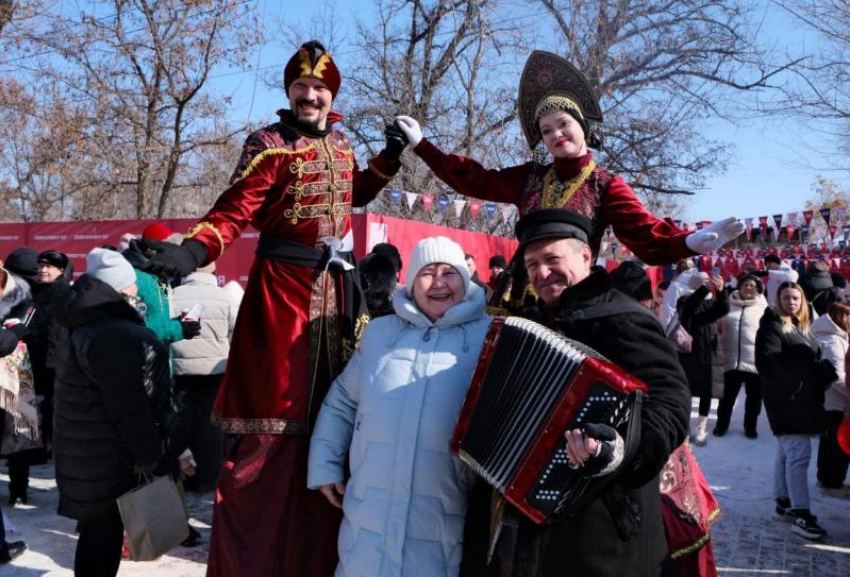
(154, 519)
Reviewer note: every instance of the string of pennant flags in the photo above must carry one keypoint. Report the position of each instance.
(801, 228)
(802, 224)
(492, 210)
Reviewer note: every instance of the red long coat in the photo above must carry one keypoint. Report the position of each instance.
(302, 189)
(604, 199)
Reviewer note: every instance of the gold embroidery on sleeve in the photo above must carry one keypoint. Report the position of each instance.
(201, 226)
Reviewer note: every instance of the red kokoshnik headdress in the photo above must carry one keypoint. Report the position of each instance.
(312, 60)
(550, 83)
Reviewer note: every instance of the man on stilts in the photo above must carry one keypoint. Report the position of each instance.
(296, 182)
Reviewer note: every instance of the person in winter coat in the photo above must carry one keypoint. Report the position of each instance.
(793, 380)
(114, 409)
(198, 365)
(699, 314)
(391, 414)
(14, 304)
(620, 532)
(677, 289)
(738, 342)
(831, 332)
(23, 264)
(817, 284)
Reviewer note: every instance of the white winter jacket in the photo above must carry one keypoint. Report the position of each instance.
(738, 332)
(677, 289)
(392, 411)
(206, 354)
(833, 343)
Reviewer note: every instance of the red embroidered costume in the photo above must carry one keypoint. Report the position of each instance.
(297, 187)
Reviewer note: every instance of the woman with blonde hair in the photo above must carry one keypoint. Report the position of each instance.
(831, 331)
(793, 379)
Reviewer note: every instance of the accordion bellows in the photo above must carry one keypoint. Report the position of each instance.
(531, 385)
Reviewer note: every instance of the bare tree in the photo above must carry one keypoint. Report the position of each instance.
(821, 94)
(435, 61)
(142, 72)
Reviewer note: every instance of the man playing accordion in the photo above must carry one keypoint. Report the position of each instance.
(620, 531)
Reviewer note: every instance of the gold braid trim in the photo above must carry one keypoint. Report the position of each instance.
(380, 174)
(201, 226)
(271, 152)
(691, 548)
(347, 346)
(557, 194)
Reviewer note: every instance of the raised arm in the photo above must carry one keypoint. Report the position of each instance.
(465, 175)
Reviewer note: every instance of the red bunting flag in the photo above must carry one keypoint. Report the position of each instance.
(427, 200)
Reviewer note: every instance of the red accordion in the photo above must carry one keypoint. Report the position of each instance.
(531, 385)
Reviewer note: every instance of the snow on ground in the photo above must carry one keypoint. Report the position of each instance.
(748, 541)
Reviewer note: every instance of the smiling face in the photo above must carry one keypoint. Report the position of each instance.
(562, 135)
(748, 289)
(555, 265)
(437, 288)
(310, 100)
(48, 272)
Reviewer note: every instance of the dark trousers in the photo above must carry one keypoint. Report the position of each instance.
(832, 461)
(732, 381)
(19, 474)
(197, 394)
(99, 545)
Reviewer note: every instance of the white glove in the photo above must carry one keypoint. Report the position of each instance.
(411, 130)
(714, 235)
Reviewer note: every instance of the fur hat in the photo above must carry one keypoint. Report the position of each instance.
(54, 258)
(110, 267)
(433, 250)
(24, 263)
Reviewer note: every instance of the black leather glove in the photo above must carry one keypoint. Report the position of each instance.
(608, 453)
(191, 329)
(396, 142)
(173, 261)
(8, 342)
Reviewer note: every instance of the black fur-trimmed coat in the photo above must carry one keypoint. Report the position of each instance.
(621, 532)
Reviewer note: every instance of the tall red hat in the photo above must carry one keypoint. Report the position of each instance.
(314, 61)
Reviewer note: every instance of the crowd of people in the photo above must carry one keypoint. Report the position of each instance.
(319, 402)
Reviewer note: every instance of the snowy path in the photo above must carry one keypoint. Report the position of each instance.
(749, 543)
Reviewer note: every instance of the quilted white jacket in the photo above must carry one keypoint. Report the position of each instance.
(392, 412)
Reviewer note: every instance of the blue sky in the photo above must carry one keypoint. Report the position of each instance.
(771, 166)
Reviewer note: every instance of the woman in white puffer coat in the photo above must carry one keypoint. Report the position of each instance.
(831, 332)
(738, 342)
(392, 412)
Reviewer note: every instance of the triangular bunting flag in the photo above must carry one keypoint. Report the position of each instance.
(427, 200)
(411, 199)
(459, 204)
(474, 207)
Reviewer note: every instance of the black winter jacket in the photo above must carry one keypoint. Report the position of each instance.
(113, 400)
(699, 317)
(820, 291)
(622, 531)
(793, 376)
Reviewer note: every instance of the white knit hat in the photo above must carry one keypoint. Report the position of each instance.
(110, 267)
(433, 250)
